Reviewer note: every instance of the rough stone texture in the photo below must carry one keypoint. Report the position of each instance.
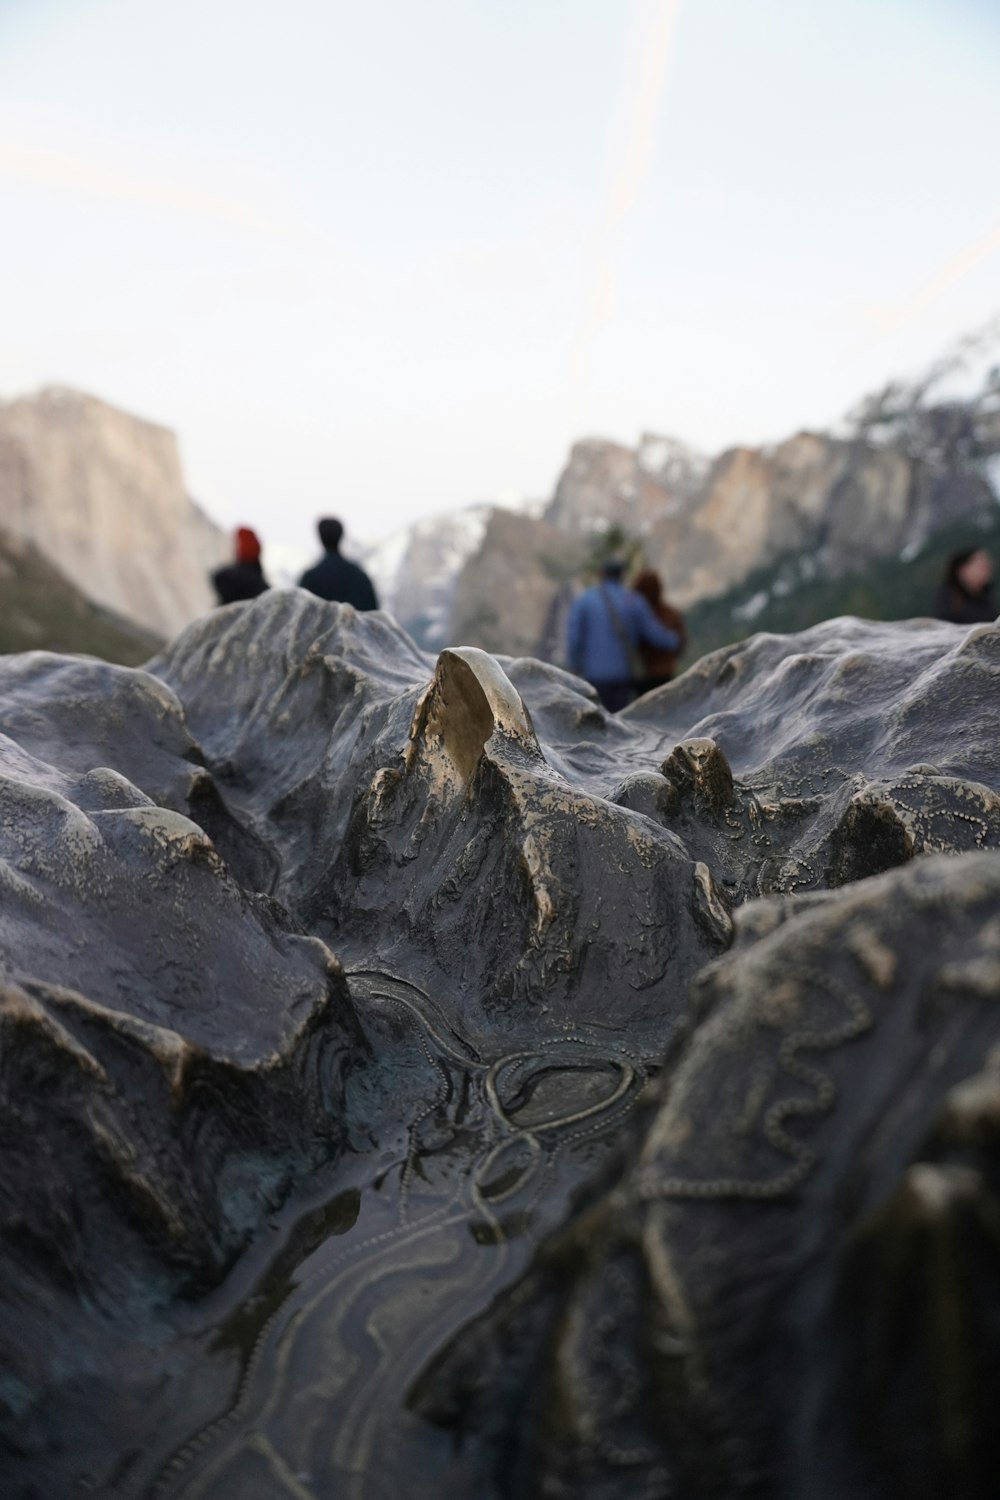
(415, 1080)
(362, 777)
(172, 1050)
(101, 495)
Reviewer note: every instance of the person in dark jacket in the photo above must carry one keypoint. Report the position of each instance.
(334, 577)
(966, 594)
(244, 578)
(606, 625)
(661, 666)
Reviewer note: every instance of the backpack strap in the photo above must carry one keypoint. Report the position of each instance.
(635, 665)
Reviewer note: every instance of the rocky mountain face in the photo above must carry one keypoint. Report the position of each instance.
(416, 1081)
(817, 506)
(913, 474)
(816, 509)
(607, 484)
(415, 571)
(837, 501)
(100, 495)
(488, 576)
(512, 593)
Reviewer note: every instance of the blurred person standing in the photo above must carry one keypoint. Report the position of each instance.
(243, 578)
(661, 666)
(607, 624)
(966, 594)
(335, 577)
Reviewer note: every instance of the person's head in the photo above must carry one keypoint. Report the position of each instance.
(971, 569)
(247, 545)
(330, 533)
(613, 567)
(650, 585)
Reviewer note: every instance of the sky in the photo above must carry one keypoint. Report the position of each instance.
(388, 259)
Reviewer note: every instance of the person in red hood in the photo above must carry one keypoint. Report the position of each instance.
(660, 665)
(244, 578)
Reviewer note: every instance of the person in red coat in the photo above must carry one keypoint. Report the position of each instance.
(244, 577)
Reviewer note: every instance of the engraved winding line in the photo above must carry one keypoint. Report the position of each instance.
(392, 1242)
(167, 1474)
(625, 1081)
(370, 977)
(804, 1158)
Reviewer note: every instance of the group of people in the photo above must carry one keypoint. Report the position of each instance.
(334, 577)
(625, 640)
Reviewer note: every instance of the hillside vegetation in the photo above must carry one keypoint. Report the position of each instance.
(791, 594)
(43, 611)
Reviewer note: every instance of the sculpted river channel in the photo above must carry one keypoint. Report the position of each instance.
(439, 1221)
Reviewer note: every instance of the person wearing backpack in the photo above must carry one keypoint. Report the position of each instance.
(607, 625)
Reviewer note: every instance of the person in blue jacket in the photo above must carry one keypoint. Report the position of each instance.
(606, 625)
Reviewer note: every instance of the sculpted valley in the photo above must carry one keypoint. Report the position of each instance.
(415, 1081)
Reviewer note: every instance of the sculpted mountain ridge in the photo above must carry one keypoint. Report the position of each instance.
(415, 1080)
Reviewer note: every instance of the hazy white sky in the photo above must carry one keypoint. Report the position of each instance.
(386, 258)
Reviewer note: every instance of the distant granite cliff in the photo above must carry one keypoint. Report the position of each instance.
(100, 495)
(841, 501)
(815, 509)
(512, 593)
(782, 536)
(604, 483)
(769, 538)
(416, 569)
